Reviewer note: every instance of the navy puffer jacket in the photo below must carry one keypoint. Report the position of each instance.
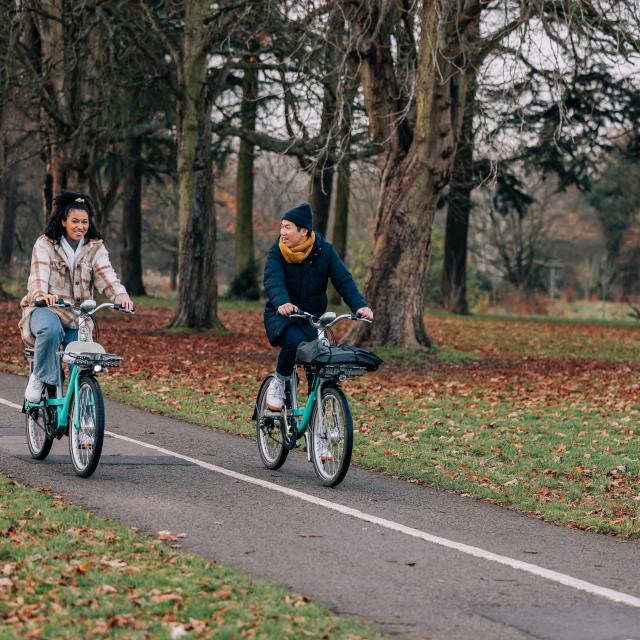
(305, 285)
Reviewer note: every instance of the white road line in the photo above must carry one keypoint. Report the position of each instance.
(548, 574)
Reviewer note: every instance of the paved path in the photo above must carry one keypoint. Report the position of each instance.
(406, 558)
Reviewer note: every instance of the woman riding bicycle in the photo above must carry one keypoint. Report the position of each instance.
(296, 275)
(68, 260)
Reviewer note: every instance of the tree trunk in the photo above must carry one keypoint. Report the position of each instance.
(320, 196)
(341, 218)
(8, 229)
(454, 273)
(7, 212)
(341, 214)
(321, 183)
(245, 282)
(394, 285)
(70, 95)
(416, 166)
(343, 186)
(173, 276)
(49, 23)
(343, 180)
(131, 260)
(10, 199)
(197, 288)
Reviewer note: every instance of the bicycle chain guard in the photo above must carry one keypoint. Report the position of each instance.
(289, 437)
(52, 423)
(49, 419)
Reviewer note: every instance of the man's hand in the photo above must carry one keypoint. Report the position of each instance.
(48, 298)
(287, 309)
(365, 313)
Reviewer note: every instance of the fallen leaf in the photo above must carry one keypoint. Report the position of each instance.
(107, 588)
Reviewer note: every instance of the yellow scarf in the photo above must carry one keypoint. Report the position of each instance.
(298, 254)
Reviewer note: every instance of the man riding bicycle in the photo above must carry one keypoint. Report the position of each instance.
(296, 275)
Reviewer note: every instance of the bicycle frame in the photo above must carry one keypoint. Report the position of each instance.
(303, 415)
(308, 407)
(62, 403)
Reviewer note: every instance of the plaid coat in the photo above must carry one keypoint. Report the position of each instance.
(50, 275)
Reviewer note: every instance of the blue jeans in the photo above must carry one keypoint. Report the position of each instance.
(49, 334)
(289, 340)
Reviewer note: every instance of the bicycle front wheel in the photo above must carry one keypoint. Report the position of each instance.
(331, 438)
(269, 432)
(85, 439)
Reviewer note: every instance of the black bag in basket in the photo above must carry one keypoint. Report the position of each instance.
(317, 353)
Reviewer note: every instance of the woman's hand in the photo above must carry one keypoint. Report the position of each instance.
(365, 312)
(48, 298)
(287, 309)
(127, 305)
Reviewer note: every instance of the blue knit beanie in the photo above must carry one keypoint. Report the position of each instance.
(300, 215)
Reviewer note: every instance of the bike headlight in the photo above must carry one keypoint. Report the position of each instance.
(97, 368)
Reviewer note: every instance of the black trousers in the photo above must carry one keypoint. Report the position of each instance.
(289, 340)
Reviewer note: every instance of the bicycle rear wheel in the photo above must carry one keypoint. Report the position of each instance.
(85, 442)
(270, 432)
(332, 441)
(39, 438)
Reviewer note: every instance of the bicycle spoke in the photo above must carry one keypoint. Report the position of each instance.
(332, 439)
(37, 431)
(86, 435)
(269, 434)
(39, 439)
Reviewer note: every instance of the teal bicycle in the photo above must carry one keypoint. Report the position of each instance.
(325, 420)
(78, 413)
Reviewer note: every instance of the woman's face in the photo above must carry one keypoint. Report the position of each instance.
(290, 235)
(76, 224)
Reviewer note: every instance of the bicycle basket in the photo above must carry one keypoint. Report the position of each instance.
(342, 355)
(91, 359)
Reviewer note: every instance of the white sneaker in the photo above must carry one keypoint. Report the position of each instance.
(275, 394)
(33, 392)
(323, 451)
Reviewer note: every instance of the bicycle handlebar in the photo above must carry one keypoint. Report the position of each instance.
(63, 304)
(315, 321)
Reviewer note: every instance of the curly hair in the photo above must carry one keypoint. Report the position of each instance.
(62, 204)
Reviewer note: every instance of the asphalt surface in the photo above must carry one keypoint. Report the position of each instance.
(397, 582)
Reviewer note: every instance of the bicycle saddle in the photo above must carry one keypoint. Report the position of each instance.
(84, 347)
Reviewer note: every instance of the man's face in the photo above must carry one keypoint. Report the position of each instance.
(290, 235)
